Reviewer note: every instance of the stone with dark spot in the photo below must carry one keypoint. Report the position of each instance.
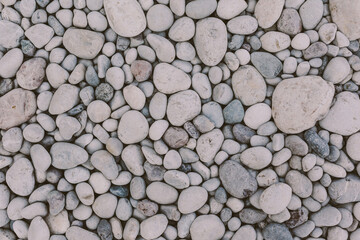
(119, 191)
(297, 217)
(176, 137)
(147, 207)
(104, 92)
(242, 133)
(191, 130)
(104, 230)
(317, 144)
(315, 50)
(252, 216)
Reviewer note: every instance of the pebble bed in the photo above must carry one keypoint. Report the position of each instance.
(178, 119)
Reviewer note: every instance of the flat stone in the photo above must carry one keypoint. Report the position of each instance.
(200, 8)
(236, 180)
(56, 201)
(317, 144)
(275, 198)
(326, 217)
(267, 64)
(38, 229)
(10, 63)
(105, 205)
(176, 137)
(78, 233)
(315, 50)
(98, 111)
(83, 43)
(125, 17)
(344, 116)
(16, 107)
(31, 73)
(256, 157)
(207, 227)
(159, 18)
(345, 14)
(311, 13)
(39, 34)
(234, 112)
(227, 9)
(268, 12)
(209, 144)
(327, 32)
(299, 183)
(169, 79)
(65, 98)
(66, 155)
(248, 85)
(20, 177)
(243, 25)
(275, 41)
(153, 227)
(104, 162)
(294, 116)
(161, 193)
(210, 48)
(346, 190)
(11, 34)
(337, 70)
(163, 48)
(133, 127)
(352, 148)
(182, 30)
(104, 230)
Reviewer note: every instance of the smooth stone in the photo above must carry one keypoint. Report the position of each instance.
(234, 112)
(16, 107)
(228, 9)
(104, 162)
(176, 137)
(125, 17)
(192, 199)
(301, 41)
(169, 79)
(141, 70)
(98, 111)
(11, 34)
(315, 50)
(352, 148)
(248, 85)
(344, 116)
(242, 133)
(256, 157)
(12, 139)
(299, 183)
(209, 144)
(105, 205)
(327, 32)
(56, 75)
(267, 64)
(337, 70)
(66, 155)
(133, 127)
(83, 43)
(345, 14)
(275, 198)
(133, 159)
(345, 190)
(257, 114)
(275, 41)
(20, 177)
(161, 193)
(134, 97)
(39, 34)
(38, 229)
(182, 30)
(104, 92)
(275, 231)
(78, 233)
(119, 191)
(326, 217)
(182, 107)
(159, 18)
(56, 201)
(104, 230)
(40, 158)
(31, 73)
(294, 116)
(289, 22)
(207, 227)
(236, 180)
(10, 63)
(199, 9)
(317, 144)
(243, 25)
(210, 48)
(163, 48)
(311, 13)
(268, 12)
(153, 227)
(65, 98)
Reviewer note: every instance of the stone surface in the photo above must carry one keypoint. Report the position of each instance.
(31, 73)
(169, 79)
(65, 98)
(133, 127)
(209, 144)
(268, 12)
(275, 198)
(192, 199)
(267, 64)
(294, 116)
(67, 155)
(20, 177)
(207, 227)
(11, 34)
(153, 227)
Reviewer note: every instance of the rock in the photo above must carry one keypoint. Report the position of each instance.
(311, 13)
(31, 73)
(242, 133)
(327, 32)
(163, 48)
(134, 97)
(77, 233)
(10, 63)
(207, 227)
(294, 116)
(161, 193)
(39, 34)
(227, 9)
(267, 64)
(104, 162)
(133, 127)
(344, 14)
(248, 85)
(237, 180)
(317, 144)
(66, 155)
(38, 229)
(11, 34)
(20, 177)
(352, 147)
(192, 199)
(301, 41)
(183, 29)
(65, 98)
(12, 139)
(275, 198)
(289, 22)
(104, 230)
(299, 183)
(98, 111)
(169, 79)
(256, 157)
(182, 107)
(247, 232)
(159, 18)
(275, 231)
(336, 70)
(41, 160)
(244, 25)
(345, 190)
(268, 12)
(105, 205)
(56, 202)
(125, 17)
(83, 43)
(328, 216)
(233, 112)
(315, 50)
(140, 69)
(153, 227)
(210, 48)
(56, 75)
(147, 207)
(104, 92)
(257, 114)
(200, 8)
(209, 144)
(275, 41)
(343, 117)
(176, 137)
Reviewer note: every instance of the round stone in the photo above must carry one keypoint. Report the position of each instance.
(159, 18)
(98, 111)
(256, 157)
(192, 199)
(20, 177)
(133, 127)
(31, 73)
(207, 227)
(275, 198)
(161, 193)
(153, 227)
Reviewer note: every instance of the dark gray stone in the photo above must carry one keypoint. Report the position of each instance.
(119, 191)
(289, 22)
(267, 64)
(91, 76)
(104, 230)
(122, 43)
(316, 143)
(334, 154)
(76, 110)
(242, 133)
(225, 214)
(27, 48)
(153, 172)
(104, 92)
(234, 112)
(220, 195)
(236, 42)
(276, 231)
(191, 130)
(42, 3)
(297, 217)
(315, 50)
(252, 216)
(56, 25)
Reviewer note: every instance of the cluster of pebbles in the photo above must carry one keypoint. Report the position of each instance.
(177, 119)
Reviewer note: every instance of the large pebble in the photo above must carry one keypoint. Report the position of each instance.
(227, 9)
(182, 107)
(161, 193)
(31, 73)
(207, 227)
(244, 25)
(290, 22)
(336, 70)
(78, 233)
(352, 146)
(65, 98)
(192, 199)
(210, 40)
(256, 157)
(237, 180)
(268, 12)
(169, 79)
(39, 34)
(299, 102)
(275, 198)
(267, 64)
(344, 116)
(10, 63)
(299, 183)
(11, 34)
(133, 127)
(275, 41)
(311, 13)
(66, 155)
(16, 107)
(83, 43)
(104, 162)
(326, 217)
(153, 227)
(38, 229)
(345, 190)
(275, 231)
(20, 177)
(248, 85)
(98, 111)
(125, 17)
(209, 144)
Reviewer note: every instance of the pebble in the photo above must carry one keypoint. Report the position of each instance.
(192, 199)
(12, 139)
(39, 34)
(268, 12)
(256, 157)
(78, 233)
(275, 41)
(31, 73)
(11, 34)
(38, 229)
(161, 193)
(64, 98)
(299, 183)
(311, 13)
(154, 226)
(207, 227)
(336, 70)
(293, 116)
(182, 30)
(209, 144)
(133, 127)
(275, 198)
(67, 155)
(256, 115)
(10, 63)
(105, 163)
(274, 231)
(327, 216)
(267, 64)
(244, 25)
(196, 9)
(164, 49)
(20, 177)
(176, 137)
(228, 9)
(159, 18)
(317, 144)
(301, 41)
(169, 79)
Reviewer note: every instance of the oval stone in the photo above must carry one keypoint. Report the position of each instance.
(275, 198)
(169, 79)
(133, 127)
(20, 177)
(66, 155)
(31, 73)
